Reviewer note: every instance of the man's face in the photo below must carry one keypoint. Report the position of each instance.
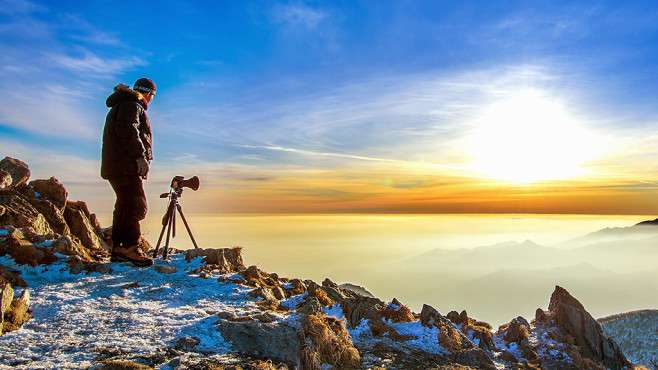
(148, 97)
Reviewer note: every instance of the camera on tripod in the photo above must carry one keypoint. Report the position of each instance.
(178, 183)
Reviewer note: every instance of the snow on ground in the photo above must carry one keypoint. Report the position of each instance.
(78, 317)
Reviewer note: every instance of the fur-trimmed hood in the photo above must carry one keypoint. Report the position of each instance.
(124, 93)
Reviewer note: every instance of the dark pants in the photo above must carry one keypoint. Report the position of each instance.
(129, 209)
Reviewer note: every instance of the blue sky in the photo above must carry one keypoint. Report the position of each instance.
(256, 91)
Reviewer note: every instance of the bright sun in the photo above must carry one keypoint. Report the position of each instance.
(529, 137)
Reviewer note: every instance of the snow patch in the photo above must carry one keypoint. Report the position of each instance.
(76, 317)
(294, 301)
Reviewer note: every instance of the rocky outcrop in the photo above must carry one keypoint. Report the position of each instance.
(19, 213)
(573, 320)
(51, 190)
(77, 217)
(18, 170)
(14, 312)
(273, 340)
(220, 260)
(564, 337)
(25, 252)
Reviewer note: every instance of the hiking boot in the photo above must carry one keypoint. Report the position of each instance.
(131, 254)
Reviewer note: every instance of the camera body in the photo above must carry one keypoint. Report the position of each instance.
(178, 183)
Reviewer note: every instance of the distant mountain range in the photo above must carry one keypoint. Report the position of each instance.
(639, 230)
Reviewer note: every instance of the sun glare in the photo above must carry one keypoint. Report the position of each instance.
(529, 137)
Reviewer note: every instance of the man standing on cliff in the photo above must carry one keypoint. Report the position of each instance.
(125, 164)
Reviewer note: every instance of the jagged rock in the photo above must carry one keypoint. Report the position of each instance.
(325, 340)
(540, 315)
(5, 179)
(70, 247)
(356, 289)
(51, 190)
(263, 292)
(453, 316)
(6, 298)
(19, 312)
(572, 319)
(329, 284)
(310, 306)
(11, 276)
(52, 214)
(76, 216)
(357, 309)
(225, 260)
(296, 287)
(321, 294)
(397, 312)
(516, 330)
(333, 293)
(276, 340)
(20, 213)
(452, 339)
(18, 170)
(429, 316)
(24, 252)
(165, 269)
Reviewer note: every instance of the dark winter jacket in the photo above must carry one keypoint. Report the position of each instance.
(127, 134)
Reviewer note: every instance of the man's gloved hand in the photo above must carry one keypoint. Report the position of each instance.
(142, 167)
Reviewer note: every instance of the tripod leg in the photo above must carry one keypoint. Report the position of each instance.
(173, 223)
(165, 249)
(165, 222)
(180, 210)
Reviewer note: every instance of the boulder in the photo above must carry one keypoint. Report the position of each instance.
(429, 316)
(20, 213)
(5, 179)
(6, 298)
(71, 247)
(226, 260)
(296, 286)
(18, 170)
(25, 253)
(76, 215)
(12, 276)
(516, 330)
(397, 312)
(19, 312)
(51, 190)
(359, 308)
(274, 340)
(311, 305)
(572, 319)
(53, 215)
(356, 289)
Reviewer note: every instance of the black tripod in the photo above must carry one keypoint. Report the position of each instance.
(169, 221)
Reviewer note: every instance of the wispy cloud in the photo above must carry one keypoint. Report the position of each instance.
(52, 69)
(91, 63)
(298, 15)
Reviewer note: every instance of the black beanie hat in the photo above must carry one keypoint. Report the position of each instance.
(145, 85)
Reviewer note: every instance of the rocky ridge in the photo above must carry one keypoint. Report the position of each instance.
(277, 322)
